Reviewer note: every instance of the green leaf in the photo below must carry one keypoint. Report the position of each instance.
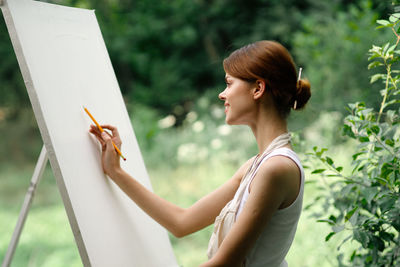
(391, 102)
(333, 219)
(381, 180)
(363, 139)
(361, 104)
(348, 130)
(383, 22)
(361, 237)
(386, 236)
(394, 17)
(330, 222)
(375, 77)
(375, 49)
(329, 236)
(329, 161)
(338, 228)
(374, 64)
(386, 203)
(380, 27)
(373, 56)
(389, 142)
(318, 171)
(350, 213)
(375, 129)
(378, 243)
(321, 151)
(344, 241)
(391, 49)
(369, 193)
(352, 106)
(368, 259)
(355, 156)
(385, 48)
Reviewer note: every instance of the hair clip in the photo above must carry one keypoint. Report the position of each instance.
(300, 69)
(298, 80)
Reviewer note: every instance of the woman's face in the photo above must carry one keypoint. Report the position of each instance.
(239, 100)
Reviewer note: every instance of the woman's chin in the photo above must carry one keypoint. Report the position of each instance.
(229, 121)
(232, 121)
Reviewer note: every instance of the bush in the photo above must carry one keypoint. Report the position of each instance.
(364, 202)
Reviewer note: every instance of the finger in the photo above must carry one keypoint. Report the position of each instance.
(115, 134)
(105, 136)
(97, 134)
(94, 129)
(113, 129)
(101, 141)
(108, 142)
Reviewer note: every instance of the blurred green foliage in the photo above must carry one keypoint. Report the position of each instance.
(333, 49)
(167, 54)
(167, 57)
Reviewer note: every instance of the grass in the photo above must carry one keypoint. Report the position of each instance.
(47, 239)
(192, 162)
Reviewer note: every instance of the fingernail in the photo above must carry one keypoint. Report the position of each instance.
(103, 134)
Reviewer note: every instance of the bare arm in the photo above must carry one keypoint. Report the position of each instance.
(177, 220)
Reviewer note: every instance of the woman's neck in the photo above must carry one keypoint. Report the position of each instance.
(267, 126)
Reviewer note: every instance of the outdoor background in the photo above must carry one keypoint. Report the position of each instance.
(167, 57)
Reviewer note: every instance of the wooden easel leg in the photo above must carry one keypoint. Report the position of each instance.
(37, 175)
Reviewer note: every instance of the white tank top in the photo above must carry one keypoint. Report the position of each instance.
(274, 242)
(227, 217)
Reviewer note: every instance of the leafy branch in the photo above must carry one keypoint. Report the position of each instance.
(367, 204)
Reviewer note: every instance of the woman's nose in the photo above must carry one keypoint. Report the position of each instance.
(222, 95)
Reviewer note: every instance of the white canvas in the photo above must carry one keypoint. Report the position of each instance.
(65, 66)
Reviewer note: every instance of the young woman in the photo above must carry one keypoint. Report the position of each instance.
(257, 210)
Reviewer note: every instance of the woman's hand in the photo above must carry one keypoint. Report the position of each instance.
(110, 158)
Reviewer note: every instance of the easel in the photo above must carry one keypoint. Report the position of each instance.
(72, 71)
(36, 177)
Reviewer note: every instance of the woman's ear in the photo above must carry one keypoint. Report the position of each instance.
(259, 90)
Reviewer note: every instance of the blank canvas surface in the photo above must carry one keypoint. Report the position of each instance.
(65, 66)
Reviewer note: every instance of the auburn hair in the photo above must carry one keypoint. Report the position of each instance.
(271, 62)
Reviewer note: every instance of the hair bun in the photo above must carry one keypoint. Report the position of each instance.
(303, 93)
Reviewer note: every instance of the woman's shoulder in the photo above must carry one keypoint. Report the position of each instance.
(279, 170)
(278, 165)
